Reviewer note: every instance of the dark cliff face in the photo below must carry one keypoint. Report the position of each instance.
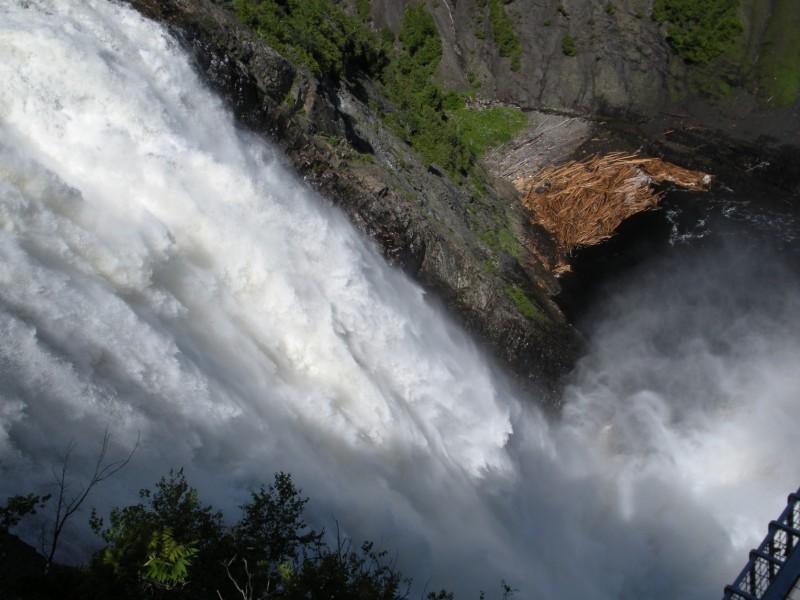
(610, 58)
(417, 215)
(619, 63)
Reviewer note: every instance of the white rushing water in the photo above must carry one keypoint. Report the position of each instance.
(163, 275)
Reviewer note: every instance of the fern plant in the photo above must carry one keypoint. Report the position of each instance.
(168, 561)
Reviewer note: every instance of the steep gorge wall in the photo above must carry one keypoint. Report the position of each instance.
(622, 64)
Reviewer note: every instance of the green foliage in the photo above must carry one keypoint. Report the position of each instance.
(333, 44)
(387, 37)
(700, 30)
(269, 553)
(420, 38)
(420, 116)
(610, 8)
(568, 45)
(502, 240)
(285, 571)
(363, 8)
(170, 546)
(316, 33)
(273, 520)
(503, 32)
(272, 533)
(713, 81)
(485, 128)
(435, 123)
(342, 573)
(523, 304)
(779, 62)
(18, 507)
(168, 561)
(152, 541)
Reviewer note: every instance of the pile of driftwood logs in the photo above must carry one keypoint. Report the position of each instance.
(581, 203)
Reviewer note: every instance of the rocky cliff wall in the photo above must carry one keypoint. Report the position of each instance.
(616, 62)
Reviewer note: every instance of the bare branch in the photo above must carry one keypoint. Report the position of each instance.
(66, 508)
(247, 592)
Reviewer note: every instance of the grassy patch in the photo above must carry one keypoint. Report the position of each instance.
(490, 266)
(711, 83)
(700, 30)
(502, 240)
(568, 45)
(483, 129)
(363, 8)
(779, 63)
(522, 303)
(505, 37)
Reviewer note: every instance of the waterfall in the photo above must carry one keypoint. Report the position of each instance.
(164, 275)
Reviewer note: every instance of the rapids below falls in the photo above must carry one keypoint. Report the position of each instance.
(163, 274)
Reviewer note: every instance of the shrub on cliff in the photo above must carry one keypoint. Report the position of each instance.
(508, 43)
(699, 30)
(421, 118)
(316, 33)
(336, 45)
(568, 45)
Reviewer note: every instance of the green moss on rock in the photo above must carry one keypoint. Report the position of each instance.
(568, 45)
(779, 62)
(502, 240)
(481, 129)
(522, 303)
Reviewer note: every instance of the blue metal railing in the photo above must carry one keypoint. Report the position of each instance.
(774, 566)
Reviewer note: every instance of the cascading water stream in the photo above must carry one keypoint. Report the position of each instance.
(163, 275)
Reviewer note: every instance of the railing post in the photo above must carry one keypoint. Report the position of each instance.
(772, 554)
(771, 568)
